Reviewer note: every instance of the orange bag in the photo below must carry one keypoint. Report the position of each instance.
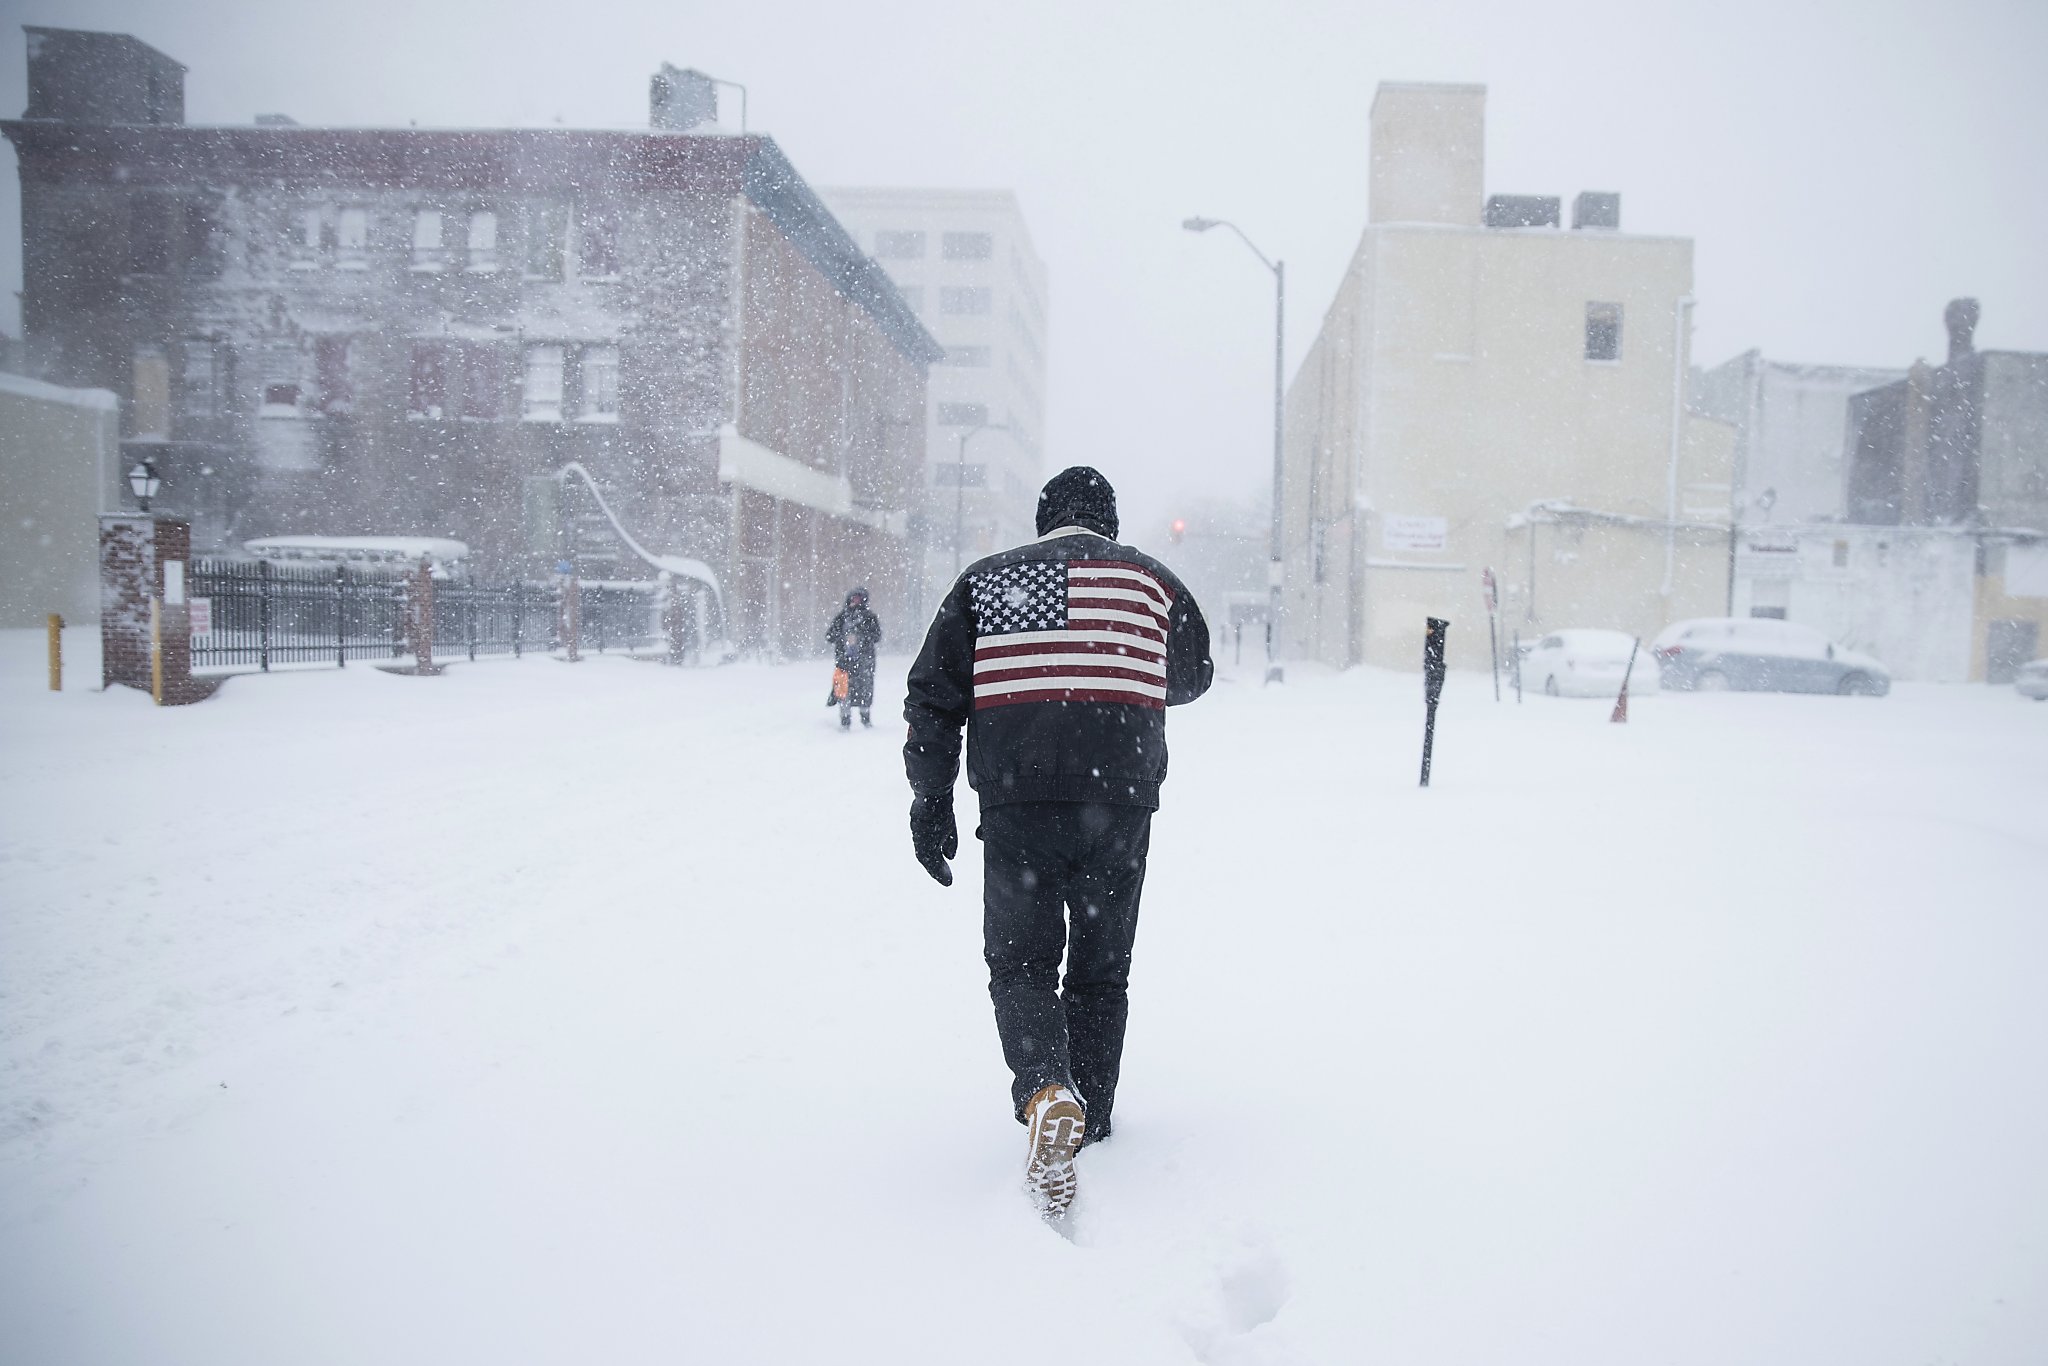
(840, 683)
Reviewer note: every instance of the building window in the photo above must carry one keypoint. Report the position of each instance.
(336, 395)
(597, 369)
(966, 300)
(429, 381)
(483, 242)
(597, 245)
(1603, 332)
(913, 295)
(952, 474)
(545, 227)
(352, 239)
(483, 373)
(307, 223)
(963, 414)
(149, 235)
(202, 380)
(1841, 554)
(427, 251)
(972, 357)
(967, 246)
(280, 399)
(899, 246)
(542, 394)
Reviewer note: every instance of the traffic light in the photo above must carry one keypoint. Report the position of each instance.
(1177, 530)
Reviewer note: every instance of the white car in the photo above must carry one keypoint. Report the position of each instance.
(1587, 663)
(2033, 680)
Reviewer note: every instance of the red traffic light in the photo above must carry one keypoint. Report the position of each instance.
(1178, 529)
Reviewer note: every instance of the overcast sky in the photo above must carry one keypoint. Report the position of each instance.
(1844, 169)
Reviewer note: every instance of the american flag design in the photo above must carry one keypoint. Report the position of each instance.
(1070, 631)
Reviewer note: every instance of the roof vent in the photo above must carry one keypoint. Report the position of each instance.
(1521, 210)
(678, 101)
(1596, 209)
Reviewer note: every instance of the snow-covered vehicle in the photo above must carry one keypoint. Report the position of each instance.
(2032, 680)
(1585, 662)
(1759, 654)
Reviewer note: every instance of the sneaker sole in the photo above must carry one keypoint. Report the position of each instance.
(1055, 1139)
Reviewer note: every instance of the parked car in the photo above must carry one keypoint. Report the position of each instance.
(1756, 654)
(2033, 680)
(1586, 663)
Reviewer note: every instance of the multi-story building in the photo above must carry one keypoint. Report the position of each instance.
(1490, 389)
(413, 332)
(964, 261)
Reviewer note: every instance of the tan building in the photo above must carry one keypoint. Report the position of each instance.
(59, 470)
(1490, 389)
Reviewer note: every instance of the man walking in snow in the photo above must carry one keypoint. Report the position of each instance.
(853, 636)
(1059, 658)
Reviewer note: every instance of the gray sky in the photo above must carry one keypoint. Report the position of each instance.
(1844, 169)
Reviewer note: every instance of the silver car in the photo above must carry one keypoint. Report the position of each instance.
(1757, 654)
(2033, 680)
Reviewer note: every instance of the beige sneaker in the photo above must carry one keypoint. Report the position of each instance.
(1056, 1122)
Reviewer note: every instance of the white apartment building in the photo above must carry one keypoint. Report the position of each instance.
(1493, 390)
(964, 261)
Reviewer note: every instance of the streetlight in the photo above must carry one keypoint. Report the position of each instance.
(1274, 671)
(960, 482)
(143, 482)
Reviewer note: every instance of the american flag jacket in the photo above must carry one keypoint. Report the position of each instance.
(1059, 658)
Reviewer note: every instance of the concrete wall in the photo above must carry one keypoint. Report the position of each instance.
(1792, 433)
(59, 470)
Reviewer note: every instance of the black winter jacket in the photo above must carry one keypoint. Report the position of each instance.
(853, 636)
(1060, 658)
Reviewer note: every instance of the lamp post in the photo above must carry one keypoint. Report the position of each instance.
(1274, 671)
(143, 482)
(960, 482)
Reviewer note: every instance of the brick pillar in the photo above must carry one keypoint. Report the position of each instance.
(134, 553)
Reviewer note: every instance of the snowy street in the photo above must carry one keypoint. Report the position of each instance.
(545, 1013)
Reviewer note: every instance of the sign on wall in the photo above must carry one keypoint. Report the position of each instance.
(1405, 533)
(202, 616)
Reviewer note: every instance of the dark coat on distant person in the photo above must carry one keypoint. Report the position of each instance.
(854, 635)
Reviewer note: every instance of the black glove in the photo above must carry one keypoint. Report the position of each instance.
(933, 835)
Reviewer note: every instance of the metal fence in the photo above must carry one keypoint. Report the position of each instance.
(265, 614)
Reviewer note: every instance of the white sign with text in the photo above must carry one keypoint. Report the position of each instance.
(1410, 534)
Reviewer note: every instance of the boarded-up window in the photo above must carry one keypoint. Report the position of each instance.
(483, 241)
(427, 251)
(483, 371)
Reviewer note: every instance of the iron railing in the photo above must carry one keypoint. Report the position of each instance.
(265, 614)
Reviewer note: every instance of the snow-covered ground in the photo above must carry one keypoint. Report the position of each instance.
(545, 1013)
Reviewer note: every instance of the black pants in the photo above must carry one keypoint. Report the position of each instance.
(1041, 860)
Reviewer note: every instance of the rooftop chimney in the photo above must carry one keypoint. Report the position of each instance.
(1961, 317)
(679, 101)
(1428, 153)
(76, 76)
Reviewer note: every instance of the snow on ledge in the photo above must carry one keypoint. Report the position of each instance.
(23, 387)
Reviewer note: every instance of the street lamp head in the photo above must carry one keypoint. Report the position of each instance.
(143, 482)
(1199, 224)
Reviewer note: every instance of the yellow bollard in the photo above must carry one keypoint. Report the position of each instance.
(156, 651)
(56, 653)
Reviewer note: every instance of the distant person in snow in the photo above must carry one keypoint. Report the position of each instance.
(853, 636)
(1059, 658)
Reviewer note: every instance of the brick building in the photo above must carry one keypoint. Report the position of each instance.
(409, 331)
